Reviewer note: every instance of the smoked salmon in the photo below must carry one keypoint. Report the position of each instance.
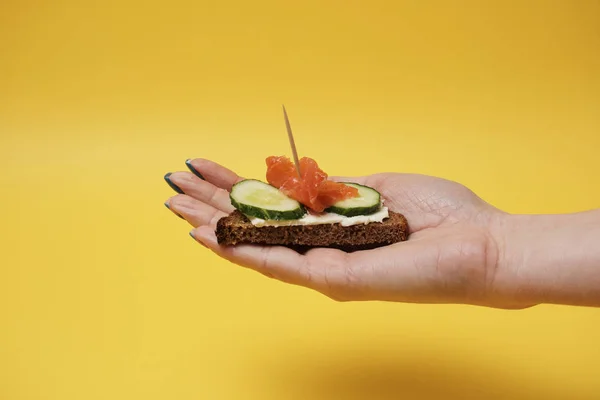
(311, 188)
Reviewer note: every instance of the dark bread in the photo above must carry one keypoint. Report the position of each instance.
(236, 228)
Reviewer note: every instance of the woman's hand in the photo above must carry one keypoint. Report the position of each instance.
(460, 249)
(452, 255)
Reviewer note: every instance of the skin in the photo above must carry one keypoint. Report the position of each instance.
(461, 250)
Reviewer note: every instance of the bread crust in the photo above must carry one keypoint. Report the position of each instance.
(236, 228)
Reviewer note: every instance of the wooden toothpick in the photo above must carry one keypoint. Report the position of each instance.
(291, 139)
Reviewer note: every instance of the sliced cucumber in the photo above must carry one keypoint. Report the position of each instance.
(261, 200)
(368, 202)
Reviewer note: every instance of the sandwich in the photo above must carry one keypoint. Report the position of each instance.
(300, 207)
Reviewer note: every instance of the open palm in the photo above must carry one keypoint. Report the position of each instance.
(451, 255)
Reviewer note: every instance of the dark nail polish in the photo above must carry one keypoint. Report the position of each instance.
(167, 205)
(188, 162)
(173, 186)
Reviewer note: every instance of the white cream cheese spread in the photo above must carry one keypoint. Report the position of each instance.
(325, 218)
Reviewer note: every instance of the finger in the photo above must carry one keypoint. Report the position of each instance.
(328, 271)
(277, 262)
(195, 212)
(214, 173)
(202, 190)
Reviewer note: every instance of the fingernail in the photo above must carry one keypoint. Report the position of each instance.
(188, 162)
(167, 205)
(192, 235)
(173, 186)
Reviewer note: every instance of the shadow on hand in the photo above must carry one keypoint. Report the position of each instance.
(358, 375)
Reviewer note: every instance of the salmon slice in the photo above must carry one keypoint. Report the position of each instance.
(311, 188)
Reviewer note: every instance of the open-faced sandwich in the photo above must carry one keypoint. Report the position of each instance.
(299, 206)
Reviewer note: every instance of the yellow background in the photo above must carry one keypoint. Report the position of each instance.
(104, 296)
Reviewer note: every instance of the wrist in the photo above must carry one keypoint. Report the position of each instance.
(552, 259)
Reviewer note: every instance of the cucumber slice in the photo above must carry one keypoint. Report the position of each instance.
(368, 202)
(261, 200)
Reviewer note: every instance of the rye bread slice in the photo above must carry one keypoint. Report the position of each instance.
(236, 228)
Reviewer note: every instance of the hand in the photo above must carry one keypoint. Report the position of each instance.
(452, 255)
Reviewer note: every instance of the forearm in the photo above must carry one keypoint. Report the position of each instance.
(552, 259)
